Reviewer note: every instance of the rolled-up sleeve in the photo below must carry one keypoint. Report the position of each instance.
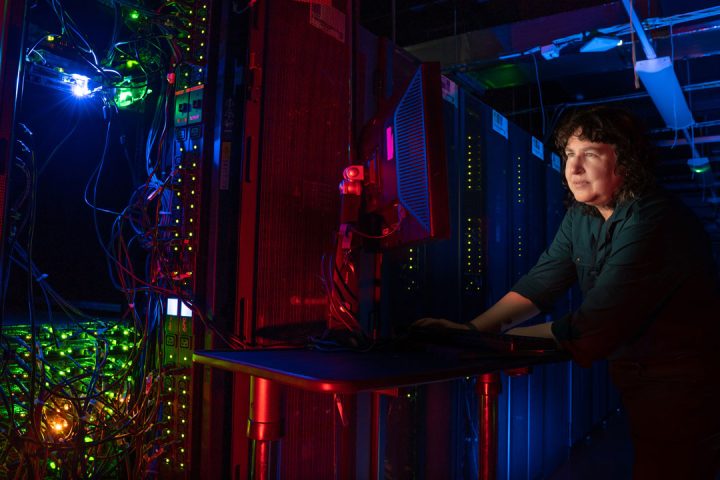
(554, 271)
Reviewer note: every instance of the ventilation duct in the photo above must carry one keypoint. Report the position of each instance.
(661, 83)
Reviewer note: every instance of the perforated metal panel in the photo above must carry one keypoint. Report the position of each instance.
(297, 134)
(411, 148)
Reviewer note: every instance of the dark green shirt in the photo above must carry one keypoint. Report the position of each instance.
(647, 277)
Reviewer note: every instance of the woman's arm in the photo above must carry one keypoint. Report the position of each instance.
(510, 310)
(542, 330)
(552, 275)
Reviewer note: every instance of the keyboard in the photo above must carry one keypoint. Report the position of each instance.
(472, 341)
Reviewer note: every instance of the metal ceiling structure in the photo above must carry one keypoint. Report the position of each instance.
(531, 60)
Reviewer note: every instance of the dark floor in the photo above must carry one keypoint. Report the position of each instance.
(606, 454)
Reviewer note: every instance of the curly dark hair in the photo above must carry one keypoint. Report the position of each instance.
(626, 133)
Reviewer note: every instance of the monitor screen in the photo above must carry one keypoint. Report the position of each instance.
(403, 152)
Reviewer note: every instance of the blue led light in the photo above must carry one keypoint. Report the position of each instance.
(79, 84)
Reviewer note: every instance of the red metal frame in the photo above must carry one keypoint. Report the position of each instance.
(489, 386)
(12, 15)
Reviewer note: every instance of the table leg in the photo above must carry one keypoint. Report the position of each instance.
(489, 386)
(265, 427)
(375, 436)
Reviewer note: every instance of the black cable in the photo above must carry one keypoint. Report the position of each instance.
(539, 86)
(118, 434)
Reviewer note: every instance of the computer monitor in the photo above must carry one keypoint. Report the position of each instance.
(402, 149)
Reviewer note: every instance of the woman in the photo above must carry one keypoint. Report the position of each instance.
(651, 302)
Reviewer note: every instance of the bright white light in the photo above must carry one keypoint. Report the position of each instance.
(172, 307)
(80, 85)
(185, 310)
(601, 43)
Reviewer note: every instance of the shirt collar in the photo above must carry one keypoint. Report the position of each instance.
(622, 211)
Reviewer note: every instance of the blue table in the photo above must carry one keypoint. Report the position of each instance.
(374, 371)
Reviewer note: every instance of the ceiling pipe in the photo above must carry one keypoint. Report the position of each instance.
(691, 141)
(640, 31)
(690, 87)
(681, 141)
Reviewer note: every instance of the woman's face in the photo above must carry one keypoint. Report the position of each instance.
(590, 171)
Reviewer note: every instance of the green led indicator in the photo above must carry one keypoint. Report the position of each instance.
(134, 15)
(123, 98)
(126, 96)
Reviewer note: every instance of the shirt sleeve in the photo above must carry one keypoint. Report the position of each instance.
(632, 286)
(554, 271)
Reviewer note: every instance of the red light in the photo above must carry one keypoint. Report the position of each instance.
(350, 188)
(389, 143)
(354, 173)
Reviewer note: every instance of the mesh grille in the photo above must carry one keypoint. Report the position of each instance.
(411, 153)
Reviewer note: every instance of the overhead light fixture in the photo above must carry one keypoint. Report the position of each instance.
(658, 76)
(601, 43)
(699, 164)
